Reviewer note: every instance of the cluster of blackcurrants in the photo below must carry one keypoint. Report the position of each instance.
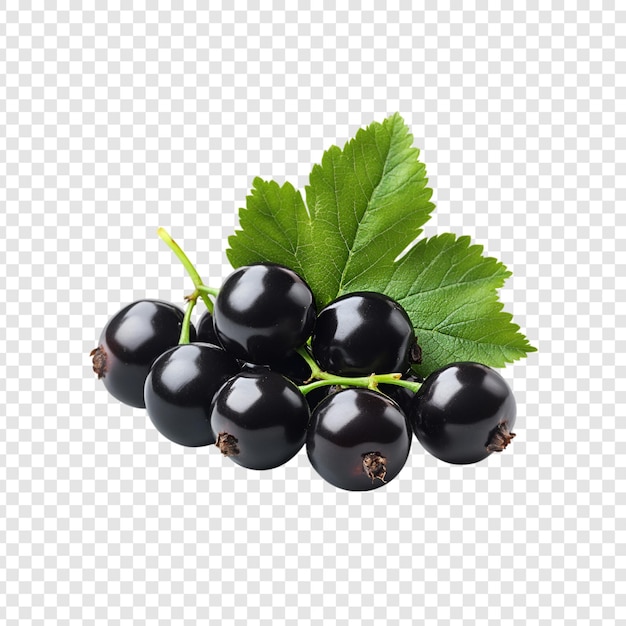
(264, 374)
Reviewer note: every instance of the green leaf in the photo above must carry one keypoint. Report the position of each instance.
(274, 227)
(366, 203)
(449, 291)
(365, 208)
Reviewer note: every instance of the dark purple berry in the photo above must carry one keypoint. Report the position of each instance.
(263, 313)
(180, 388)
(463, 412)
(358, 439)
(364, 332)
(130, 342)
(260, 419)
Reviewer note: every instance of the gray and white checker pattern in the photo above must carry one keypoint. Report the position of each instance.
(114, 121)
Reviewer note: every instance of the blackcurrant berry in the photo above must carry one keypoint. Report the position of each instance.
(358, 439)
(206, 332)
(364, 332)
(463, 412)
(130, 342)
(263, 313)
(180, 388)
(260, 419)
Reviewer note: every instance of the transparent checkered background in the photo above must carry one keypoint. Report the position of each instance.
(116, 121)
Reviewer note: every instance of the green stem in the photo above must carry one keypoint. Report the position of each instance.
(399, 382)
(304, 389)
(320, 378)
(210, 290)
(188, 265)
(315, 368)
(369, 382)
(184, 333)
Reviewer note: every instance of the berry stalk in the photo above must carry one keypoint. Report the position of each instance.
(369, 382)
(201, 289)
(184, 333)
(212, 291)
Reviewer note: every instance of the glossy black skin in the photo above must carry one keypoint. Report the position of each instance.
(297, 371)
(403, 396)
(132, 340)
(267, 415)
(180, 388)
(457, 409)
(263, 313)
(362, 333)
(353, 422)
(206, 332)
